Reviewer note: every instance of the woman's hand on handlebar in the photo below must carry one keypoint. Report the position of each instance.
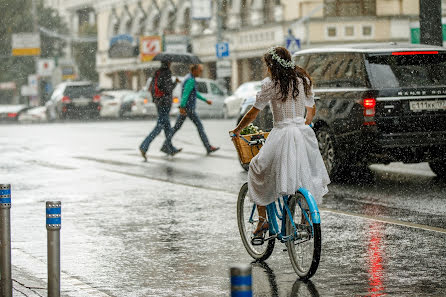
(234, 133)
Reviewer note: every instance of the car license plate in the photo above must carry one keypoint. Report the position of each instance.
(81, 101)
(427, 105)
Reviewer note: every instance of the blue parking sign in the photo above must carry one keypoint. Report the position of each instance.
(222, 49)
(293, 45)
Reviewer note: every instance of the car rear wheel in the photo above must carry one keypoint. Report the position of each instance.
(329, 152)
(439, 168)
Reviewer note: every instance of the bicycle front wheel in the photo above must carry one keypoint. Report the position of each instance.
(304, 249)
(247, 219)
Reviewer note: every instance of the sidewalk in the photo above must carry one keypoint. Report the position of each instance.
(29, 276)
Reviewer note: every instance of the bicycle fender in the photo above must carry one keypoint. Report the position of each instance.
(314, 210)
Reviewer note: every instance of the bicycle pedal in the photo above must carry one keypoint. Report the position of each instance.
(257, 241)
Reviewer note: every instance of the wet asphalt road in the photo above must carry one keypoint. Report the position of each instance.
(168, 227)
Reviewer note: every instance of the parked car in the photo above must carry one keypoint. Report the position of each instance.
(135, 104)
(233, 103)
(10, 112)
(111, 102)
(210, 89)
(34, 114)
(73, 99)
(378, 103)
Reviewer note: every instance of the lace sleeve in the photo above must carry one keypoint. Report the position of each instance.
(265, 94)
(309, 100)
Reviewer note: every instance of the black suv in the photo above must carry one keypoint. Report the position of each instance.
(377, 103)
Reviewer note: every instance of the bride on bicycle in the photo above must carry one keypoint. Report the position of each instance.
(290, 158)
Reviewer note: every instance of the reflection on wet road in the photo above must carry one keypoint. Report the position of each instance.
(168, 227)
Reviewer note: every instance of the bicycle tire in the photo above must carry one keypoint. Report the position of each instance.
(313, 244)
(246, 228)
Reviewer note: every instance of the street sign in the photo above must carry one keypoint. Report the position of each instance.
(224, 68)
(176, 43)
(150, 46)
(26, 90)
(45, 67)
(293, 44)
(222, 49)
(26, 44)
(201, 9)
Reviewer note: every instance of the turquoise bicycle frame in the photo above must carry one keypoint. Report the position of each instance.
(273, 213)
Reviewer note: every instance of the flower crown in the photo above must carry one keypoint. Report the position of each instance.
(284, 63)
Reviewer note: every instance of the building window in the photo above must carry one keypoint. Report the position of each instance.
(367, 31)
(268, 11)
(337, 8)
(331, 32)
(244, 13)
(349, 31)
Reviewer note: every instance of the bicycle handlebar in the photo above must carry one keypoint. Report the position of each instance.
(251, 142)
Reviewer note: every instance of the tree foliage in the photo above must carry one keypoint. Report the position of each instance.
(16, 17)
(85, 54)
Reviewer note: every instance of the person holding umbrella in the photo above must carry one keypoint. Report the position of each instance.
(161, 88)
(187, 107)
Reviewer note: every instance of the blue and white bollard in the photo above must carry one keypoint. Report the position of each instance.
(241, 281)
(5, 262)
(53, 225)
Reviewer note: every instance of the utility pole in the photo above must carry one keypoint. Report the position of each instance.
(430, 22)
(220, 13)
(36, 58)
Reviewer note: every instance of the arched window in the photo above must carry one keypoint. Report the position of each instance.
(244, 12)
(170, 22)
(113, 24)
(268, 11)
(187, 21)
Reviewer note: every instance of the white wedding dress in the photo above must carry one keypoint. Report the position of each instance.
(290, 157)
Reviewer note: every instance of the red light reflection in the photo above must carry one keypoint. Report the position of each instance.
(375, 260)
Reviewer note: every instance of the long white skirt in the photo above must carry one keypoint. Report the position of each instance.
(289, 159)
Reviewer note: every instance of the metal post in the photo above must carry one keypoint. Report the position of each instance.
(53, 225)
(241, 281)
(5, 206)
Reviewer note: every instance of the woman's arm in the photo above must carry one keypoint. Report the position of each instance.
(311, 111)
(247, 119)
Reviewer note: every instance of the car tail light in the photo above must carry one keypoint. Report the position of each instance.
(66, 99)
(369, 105)
(12, 115)
(96, 98)
(175, 100)
(146, 100)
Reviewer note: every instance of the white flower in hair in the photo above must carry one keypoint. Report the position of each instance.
(281, 61)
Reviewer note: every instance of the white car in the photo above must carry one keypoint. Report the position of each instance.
(10, 112)
(111, 102)
(233, 103)
(209, 89)
(35, 114)
(136, 104)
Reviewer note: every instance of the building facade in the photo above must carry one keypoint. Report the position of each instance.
(249, 27)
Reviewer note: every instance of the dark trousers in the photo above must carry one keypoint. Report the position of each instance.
(196, 120)
(163, 122)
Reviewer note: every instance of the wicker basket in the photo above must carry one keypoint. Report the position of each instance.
(245, 151)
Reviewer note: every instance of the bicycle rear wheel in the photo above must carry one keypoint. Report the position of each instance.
(247, 224)
(305, 250)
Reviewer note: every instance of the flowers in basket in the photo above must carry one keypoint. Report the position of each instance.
(250, 129)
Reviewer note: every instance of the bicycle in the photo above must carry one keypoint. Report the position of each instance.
(302, 239)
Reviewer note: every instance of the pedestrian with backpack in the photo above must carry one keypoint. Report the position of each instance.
(161, 88)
